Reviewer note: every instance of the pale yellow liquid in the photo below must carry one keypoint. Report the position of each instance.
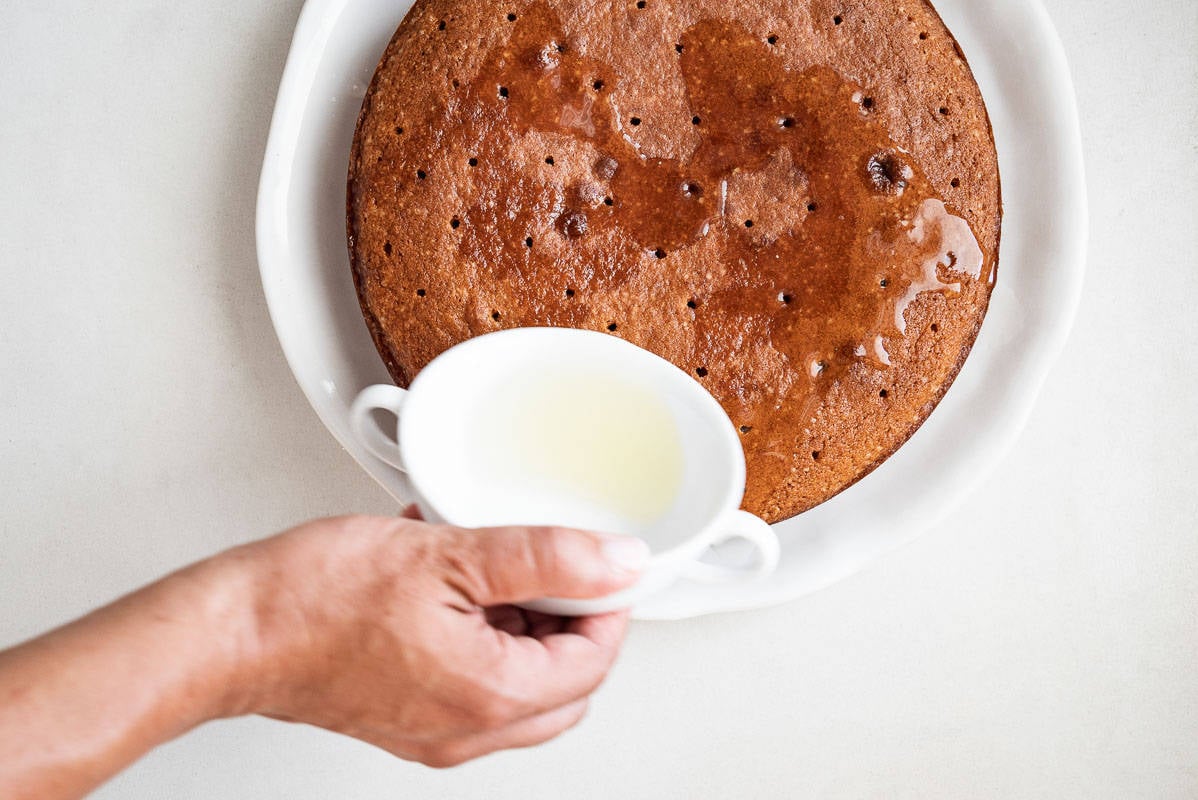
(579, 447)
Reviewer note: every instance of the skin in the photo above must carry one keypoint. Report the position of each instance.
(392, 631)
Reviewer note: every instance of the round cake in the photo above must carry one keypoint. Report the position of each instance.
(796, 202)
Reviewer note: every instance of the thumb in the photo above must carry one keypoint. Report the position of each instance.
(514, 565)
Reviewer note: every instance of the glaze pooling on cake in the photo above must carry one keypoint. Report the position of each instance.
(763, 215)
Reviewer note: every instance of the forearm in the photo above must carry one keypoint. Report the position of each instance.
(83, 702)
(397, 632)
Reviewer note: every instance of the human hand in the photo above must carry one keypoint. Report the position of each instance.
(402, 634)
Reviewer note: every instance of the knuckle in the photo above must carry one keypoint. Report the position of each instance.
(587, 685)
(584, 708)
(339, 520)
(494, 711)
(350, 523)
(572, 720)
(458, 556)
(504, 672)
(596, 681)
(550, 535)
(442, 756)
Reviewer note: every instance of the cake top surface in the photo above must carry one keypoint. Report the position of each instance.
(799, 208)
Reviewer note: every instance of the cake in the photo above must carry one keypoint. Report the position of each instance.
(798, 203)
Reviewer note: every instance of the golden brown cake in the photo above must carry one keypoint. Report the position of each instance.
(796, 202)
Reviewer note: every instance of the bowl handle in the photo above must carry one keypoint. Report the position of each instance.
(739, 525)
(380, 397)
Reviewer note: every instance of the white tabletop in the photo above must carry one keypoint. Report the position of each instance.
(1040, 643)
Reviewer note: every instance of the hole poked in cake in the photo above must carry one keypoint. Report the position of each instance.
(605, 168)
(473, 161)
(495, 315)
(772, 39)
(659, 253)
(815, 455)
(935, 328)
(884, 394)
(613, 327)
(955, 183)
(887, 173)
(421, 174)
(634, 121)
(455, 223)
(692, 304)
(836, 20)
(528, 242)
(546, 57)
(421, 292)
(441, 25)
(701, 372)
(589, 194)
(572, 224)
(746, 428)
(387, 248)
(692, 189)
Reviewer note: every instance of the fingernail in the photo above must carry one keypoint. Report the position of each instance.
(626, 553)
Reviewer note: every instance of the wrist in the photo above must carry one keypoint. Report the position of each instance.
(217, 598)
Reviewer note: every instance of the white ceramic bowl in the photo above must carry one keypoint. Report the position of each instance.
(487, 429)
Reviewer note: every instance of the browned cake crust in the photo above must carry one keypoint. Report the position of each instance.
(796, 202)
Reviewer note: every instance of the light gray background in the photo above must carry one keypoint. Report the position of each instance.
(1041, 643)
